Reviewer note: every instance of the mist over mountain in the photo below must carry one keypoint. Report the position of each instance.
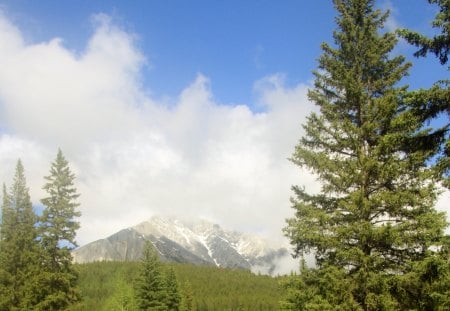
(198, 242)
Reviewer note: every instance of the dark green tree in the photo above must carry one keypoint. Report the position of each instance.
(374, 217)
(173, 294)
(428, 104)
(6, 234)
(19, 251)
(58, 226)
(150, 289)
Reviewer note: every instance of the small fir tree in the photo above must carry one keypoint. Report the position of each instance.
(374, 217)
(173, 294)
(150, 290)
(187, 298)
(58, 226)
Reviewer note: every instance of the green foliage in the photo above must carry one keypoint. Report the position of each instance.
(173, 295)
(122, 298)
(202, 288)
(426, 286)
(373, 219)
(225, 289)
(430, 103)
(19, 252)
(57, 237)
(439, 45)
(324, 289)
(187, 298)
(151, 291)
(36, 272)
(106, 286)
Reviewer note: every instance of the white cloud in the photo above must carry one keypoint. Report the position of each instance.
(392, 24)
(50, 94)
(134, 156)
(443, 205)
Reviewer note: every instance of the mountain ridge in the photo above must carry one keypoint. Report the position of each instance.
(200, 243)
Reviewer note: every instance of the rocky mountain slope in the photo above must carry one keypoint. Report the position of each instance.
(200, 243)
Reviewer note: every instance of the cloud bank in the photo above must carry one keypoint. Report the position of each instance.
(135, 156)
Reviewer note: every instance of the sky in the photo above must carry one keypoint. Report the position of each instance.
(178, 108)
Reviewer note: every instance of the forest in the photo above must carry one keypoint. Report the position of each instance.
(109, 286)
(377, 239)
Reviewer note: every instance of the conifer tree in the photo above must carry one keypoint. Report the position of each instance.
(58, 226)
(374, 216)
(187, 299)
(6, 277)
(19, 251)
(5, 211)
(173, 294)
(151, 291)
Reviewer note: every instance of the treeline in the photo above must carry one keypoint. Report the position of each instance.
(112, 286)
(36, 271)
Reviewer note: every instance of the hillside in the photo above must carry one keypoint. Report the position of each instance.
(109, 286)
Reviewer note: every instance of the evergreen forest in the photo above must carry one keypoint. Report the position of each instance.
(110, 286)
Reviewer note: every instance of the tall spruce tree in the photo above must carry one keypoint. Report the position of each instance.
(19, 251)
(150, 290)
(57, 232)
(374, 216)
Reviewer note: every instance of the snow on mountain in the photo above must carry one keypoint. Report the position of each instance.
(200, 242)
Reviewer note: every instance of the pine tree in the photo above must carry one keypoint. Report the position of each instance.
(6, 232)
(57, 230)
(431, 103)
(374, 216)
(19, 259)
(187, 301)
(5, 211)
(173, 294)
(151, 291)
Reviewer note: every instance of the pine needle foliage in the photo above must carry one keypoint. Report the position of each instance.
(438, 45)
(431, 103)
(58, 226)
(187, 298)
(173, 293)
(110, 285)
(374, 216)
(151, 292)
(19, 251)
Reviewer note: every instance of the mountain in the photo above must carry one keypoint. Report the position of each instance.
(199, 243)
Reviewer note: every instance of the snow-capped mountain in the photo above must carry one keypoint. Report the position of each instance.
(199, 242)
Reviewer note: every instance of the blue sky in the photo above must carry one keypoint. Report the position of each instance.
(172, 107)
(234, 43)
